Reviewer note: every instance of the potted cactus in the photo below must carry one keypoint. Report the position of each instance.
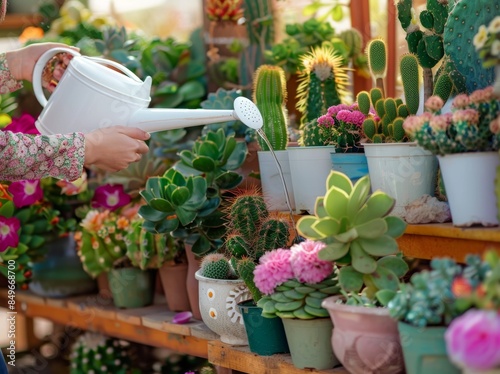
(220, 291)
(270, 95)
(252, 232)
(322, 84)
(360, 237)
(396, 164)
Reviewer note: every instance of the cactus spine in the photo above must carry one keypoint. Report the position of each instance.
(253, 230)
(322, 84)
(269, 94)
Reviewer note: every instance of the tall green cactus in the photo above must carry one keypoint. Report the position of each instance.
(322, 84)
(408, 68)
(269, 94)
(144, 249)
(376, 51)
(253, 230)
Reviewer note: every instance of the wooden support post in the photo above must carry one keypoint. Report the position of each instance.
(360, 20)
(392, 66)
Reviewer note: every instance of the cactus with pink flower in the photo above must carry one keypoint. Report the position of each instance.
(472, 125)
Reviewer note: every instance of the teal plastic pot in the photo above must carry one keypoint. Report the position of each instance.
(310, 343)
(424, 350)
(266, 336)
(354, 165)
(131, 287)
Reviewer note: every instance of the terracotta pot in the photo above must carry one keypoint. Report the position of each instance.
(192, 282)
(365, 340)
(103, 286)
(173, 281)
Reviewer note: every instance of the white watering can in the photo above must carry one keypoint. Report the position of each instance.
(90, 95)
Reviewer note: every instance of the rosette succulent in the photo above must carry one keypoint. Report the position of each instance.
(359, 234)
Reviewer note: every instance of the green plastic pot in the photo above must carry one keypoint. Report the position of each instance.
(266, 336)
(131, 287)
(424, 350)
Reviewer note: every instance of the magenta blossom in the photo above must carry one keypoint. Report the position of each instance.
(8, 232)
(273, 269)
(473, 340)
(306, 265)
(26, 192)
(355, 117)
(24, 124)
(110, 197)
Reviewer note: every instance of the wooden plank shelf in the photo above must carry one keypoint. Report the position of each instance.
(241, 359)
(427, 241)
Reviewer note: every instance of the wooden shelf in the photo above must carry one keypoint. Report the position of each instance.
(427, 241)
(241, 359)
(19, 21)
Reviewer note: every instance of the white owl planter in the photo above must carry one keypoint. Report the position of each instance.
(219, 300)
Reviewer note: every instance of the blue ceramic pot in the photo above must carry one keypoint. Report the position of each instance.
(353, 165)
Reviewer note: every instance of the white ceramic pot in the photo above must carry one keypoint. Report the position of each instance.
(272, 186)
(219, 310)
(469, 181)
(404, 171)
(309, 168)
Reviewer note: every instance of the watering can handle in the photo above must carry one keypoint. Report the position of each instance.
(45, 58)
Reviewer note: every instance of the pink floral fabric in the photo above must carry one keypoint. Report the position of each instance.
(37, 156)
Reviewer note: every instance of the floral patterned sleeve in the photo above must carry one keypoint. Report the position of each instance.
(25, 156)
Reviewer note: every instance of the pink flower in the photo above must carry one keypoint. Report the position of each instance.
(8, 232)
(434, 103)
(110, 197)
(273, 269)
(326, 121)
(482, 96)
(306, 265)
(440, 123)
(333, 110)
(495, 125)
(473, 339)
(461, 101)
(24, 124)
(412, 124)
(26, 192)
(470, 116)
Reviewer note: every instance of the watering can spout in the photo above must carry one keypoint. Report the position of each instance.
(155, 119)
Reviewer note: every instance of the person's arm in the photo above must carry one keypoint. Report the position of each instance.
(37, 156)
(8, 83)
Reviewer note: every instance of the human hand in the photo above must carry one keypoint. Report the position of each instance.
(22, 62)
(114, 148)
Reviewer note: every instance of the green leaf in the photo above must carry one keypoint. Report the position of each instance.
(149, 213)
(337, 13)
(350, 280)
(385, 296)
(395, 226)
(326, 226)
(319, 207)
(372, 229)
(382, 246)
(395, 264)
(201, 246)
(162, 205)
(362, 261)
(205, 164)
(339, 180)
(378, 205)
(208, 149)
(185, 216)
(333, 251)
(335, 202)
(358, 197)
(384, 279)
(180, 195)
(305, 227)
(347, 236)
(7, 209)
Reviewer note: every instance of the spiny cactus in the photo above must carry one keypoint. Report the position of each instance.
(144, 249)
(95, 353)
(376, 50)
(216, 266)
(462, 25)
(294, 299)
(253, 230)
(322, 84)
(269, 94)
(359, 233)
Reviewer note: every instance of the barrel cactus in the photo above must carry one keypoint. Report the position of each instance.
(252, 231)
(269, 94)
(322, 84)
(96, 353)
(145, 250)
(216, 266)
(359, 233)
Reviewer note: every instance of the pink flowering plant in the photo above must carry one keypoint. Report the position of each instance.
(295, 281)
(473, 125)
(28, 220)
(342, 127)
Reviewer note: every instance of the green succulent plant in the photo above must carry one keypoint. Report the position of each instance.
(253, 230)
(428, 300)
(217, 266)
(185, 200)
(360, 236)
(294, 299)
(144, 249)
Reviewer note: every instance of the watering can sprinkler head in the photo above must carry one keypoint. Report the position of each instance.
(248, 113)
